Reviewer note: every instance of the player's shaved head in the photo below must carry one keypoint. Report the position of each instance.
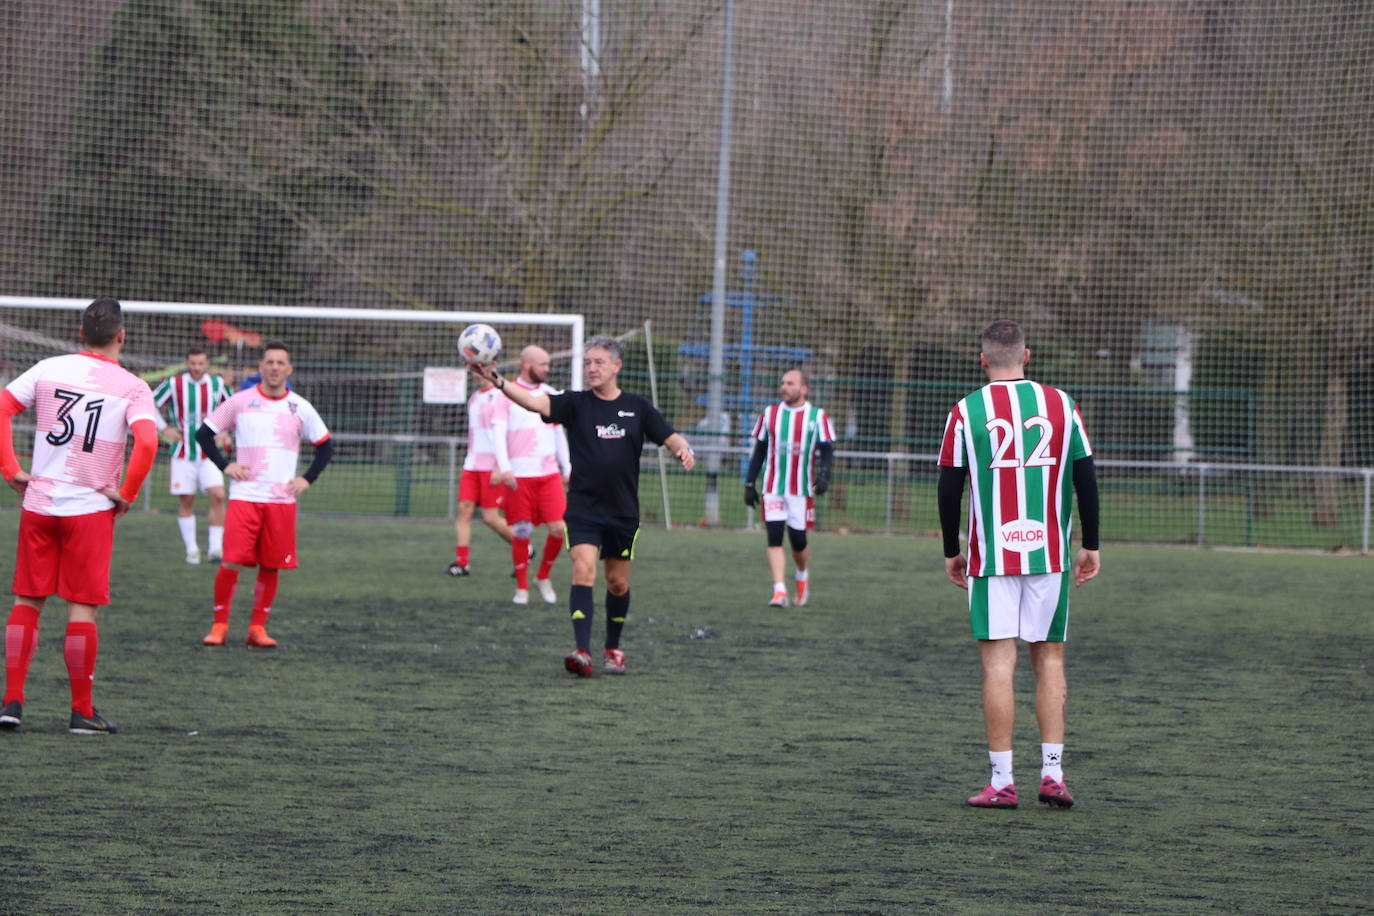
(534, 364)
(1004, 345)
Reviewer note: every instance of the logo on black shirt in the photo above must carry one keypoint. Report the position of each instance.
(625, 413)
(610, 431)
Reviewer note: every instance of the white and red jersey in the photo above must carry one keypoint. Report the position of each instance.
(1019, 440)
(792, 434)
(535, 448)
(267, 435)
(84, 405)
(488, 410)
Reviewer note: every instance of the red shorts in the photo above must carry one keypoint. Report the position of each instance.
(538, 500)
(260, 534)
(476, 487)
(65, 555)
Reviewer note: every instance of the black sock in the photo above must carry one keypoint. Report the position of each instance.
(617, 606)
(582, 605)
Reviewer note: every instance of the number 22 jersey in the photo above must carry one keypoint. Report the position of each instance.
(1019, 440)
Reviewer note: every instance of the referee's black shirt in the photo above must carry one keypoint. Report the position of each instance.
(605, 439)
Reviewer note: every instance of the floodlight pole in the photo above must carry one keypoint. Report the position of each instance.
(715, 395)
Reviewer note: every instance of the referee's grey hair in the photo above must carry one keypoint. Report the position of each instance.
(609, 344)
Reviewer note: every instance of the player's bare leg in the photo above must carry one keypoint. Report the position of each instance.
(216, 523)
(581, 607)
(802, 560)
(494, 520)
(999, 717)
(999, 703)
(186, 522)
(776, 565)
(617, 608)
(1051, 710)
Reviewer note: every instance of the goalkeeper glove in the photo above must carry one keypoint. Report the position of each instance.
(751, 496)
(822, 484)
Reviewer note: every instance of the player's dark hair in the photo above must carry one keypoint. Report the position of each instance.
(276, 345)
(101, 322)
(609, 344)
(1004, 344)
(196, 351)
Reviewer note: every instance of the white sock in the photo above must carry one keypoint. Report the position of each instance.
(217, 539)
(779, 587)
(187, 524)
(803, 575)
(1051, 761)
(1001, 769)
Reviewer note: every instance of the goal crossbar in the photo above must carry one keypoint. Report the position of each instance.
(576, 323)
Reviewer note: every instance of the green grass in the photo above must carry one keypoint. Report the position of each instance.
(415, 746)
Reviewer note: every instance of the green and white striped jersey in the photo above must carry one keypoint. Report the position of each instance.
(792, 434)
(1019, 440)
(191, 401)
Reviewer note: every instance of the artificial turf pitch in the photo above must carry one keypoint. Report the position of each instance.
(414, 745)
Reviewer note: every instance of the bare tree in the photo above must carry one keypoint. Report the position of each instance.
(451, 135)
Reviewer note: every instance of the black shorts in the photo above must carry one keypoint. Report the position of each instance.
(615, 536)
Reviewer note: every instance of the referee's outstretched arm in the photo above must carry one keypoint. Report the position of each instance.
(536, 401)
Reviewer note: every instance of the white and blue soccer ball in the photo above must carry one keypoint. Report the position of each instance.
(479, 343)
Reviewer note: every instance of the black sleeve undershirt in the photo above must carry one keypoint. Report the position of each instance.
(951, 499)
(825, 461)
(756, 461)
(206, 437)
(1085, 485)
(323, 452)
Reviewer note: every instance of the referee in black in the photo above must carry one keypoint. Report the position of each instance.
(606, 430)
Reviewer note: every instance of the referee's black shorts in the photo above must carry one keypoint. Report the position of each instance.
(615, 536)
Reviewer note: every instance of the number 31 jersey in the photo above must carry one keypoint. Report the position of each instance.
(85, 405)
(1019, 440)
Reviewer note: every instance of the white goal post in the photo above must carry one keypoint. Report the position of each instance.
(366, 370)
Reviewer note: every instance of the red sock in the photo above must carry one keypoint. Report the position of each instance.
(226, 580)
(520, 555)
(21, 638)
(263, 592)
(83, 644)
(552, 545)
(463, 555)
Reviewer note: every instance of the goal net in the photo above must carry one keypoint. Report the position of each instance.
(388, 383)
(1174, 199)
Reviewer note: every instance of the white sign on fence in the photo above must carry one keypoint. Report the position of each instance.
(445, 385)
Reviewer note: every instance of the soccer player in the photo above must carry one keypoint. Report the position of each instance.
(1023, 448)
(189, 397)
(798, 442)
(483, 483)
(268, 420)
(85, 406)
(606, 429)
(538, 455)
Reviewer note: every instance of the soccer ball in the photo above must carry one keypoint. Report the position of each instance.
(479, 343)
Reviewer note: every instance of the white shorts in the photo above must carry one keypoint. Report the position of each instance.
(187, 476)
(798, 511)
(1035, 608)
